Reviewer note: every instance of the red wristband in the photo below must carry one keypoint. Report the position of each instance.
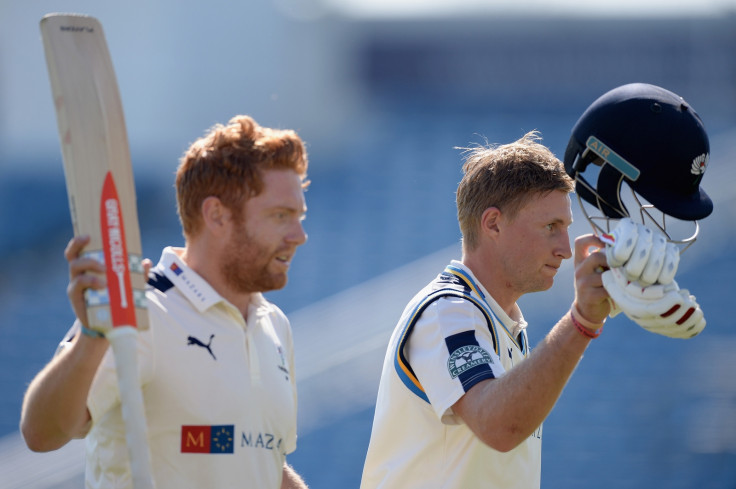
(583, 330)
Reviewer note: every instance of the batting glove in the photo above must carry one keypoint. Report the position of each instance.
(646, 257)
(662, 309)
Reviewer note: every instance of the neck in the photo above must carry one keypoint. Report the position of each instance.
(490, 275)
(207, 266)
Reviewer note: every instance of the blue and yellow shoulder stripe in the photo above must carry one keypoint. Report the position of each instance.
(451, 287)
(463, 277)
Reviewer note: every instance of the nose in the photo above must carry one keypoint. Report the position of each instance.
(564, 249)
(298, 235)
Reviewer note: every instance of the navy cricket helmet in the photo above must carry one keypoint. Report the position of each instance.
(648, 137)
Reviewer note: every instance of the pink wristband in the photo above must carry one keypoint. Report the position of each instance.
(585, 327)
(583, 321)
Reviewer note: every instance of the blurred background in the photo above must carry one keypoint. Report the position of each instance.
(384, 92)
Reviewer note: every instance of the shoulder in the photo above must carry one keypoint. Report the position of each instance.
(451, 311)
(278, 318)
(447, 305)
(272, 314)
(159, 291)
(268, 308)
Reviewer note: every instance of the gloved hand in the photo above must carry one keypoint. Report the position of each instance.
(646, 257)
(662, 309)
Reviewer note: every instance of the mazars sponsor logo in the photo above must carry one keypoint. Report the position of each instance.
(207, 439)
(222, 439)
(185, 282)
(266, 441)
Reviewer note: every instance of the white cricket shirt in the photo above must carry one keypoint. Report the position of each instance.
(451, 336)
(219, 391)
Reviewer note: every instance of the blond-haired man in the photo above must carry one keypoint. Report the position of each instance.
(462, 398)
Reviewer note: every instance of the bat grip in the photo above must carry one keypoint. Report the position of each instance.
(123, 340)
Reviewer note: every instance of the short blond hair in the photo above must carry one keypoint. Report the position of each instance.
(505, 177)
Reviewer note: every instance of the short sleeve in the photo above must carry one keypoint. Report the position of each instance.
(451, 350)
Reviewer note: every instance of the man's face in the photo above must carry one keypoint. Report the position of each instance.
(536, 241)
(263, 243)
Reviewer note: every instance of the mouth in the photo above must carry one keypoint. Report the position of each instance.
(284, 259)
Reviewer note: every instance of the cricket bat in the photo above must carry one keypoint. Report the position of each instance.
(102, 201)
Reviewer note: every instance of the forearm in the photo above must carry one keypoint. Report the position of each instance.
(292, 480)
(55, 405)
(504, 412)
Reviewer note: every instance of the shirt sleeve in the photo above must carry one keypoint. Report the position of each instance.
(451, 350)
(68, 337)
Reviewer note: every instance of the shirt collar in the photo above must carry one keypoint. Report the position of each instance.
(515, 327)
(198, 291)
(187, 281)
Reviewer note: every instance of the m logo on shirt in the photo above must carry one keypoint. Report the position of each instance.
(207, 439)
(466, 357)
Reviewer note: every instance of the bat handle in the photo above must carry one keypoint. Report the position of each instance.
(123, 340)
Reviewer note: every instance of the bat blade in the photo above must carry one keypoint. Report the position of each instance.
(94, 145)
(102, 202)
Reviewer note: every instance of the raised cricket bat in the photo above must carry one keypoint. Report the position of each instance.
(100, 185)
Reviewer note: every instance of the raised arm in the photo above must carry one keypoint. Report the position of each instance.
(55, 405)
(505, 411)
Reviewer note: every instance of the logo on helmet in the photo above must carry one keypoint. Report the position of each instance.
(699, 164)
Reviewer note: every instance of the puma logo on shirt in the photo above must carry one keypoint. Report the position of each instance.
(194, 341)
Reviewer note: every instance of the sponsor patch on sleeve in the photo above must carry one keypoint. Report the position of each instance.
(468, 361)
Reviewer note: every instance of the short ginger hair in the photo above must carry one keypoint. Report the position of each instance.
(228, 162)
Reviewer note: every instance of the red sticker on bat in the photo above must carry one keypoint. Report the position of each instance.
(119, 287)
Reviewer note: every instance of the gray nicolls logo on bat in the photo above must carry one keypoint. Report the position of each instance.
(115, 239)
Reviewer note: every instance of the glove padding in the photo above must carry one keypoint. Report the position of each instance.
(662, 309)
(645, 256)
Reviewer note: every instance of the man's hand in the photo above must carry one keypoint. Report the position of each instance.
(662, 309)
(84, 273)
(645, 256)
(591, 297)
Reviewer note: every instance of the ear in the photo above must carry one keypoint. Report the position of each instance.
(489, 222)
(215, 215)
